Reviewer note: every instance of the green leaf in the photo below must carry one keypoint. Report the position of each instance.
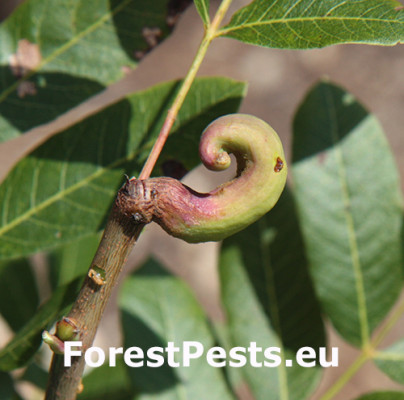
(156, 309)
(6, 387)
(304, 24)
(383, 396)
(57, 53)
(63, 190)
(348, 196)
(103, 383)
(27, 341)
(391, 361)
(269, 299)
(106, 383)
(18, 293)
(72, 260)
(222, 334)
(203, 9)
(36, 375)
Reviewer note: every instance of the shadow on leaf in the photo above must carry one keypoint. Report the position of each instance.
(148, 380)
(40, 99)
(273, 257)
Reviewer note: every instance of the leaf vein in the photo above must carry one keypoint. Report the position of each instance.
(290, 9)
(252, 25)
(58, 196)
(80, 206)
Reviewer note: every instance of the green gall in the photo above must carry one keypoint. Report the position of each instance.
(201, 217)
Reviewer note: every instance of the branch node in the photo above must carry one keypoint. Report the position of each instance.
(97, 275)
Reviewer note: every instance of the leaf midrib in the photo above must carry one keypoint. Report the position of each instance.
(350, 225)
(225, 31)
(388, 356)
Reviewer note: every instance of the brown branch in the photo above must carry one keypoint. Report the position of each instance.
(119, 237)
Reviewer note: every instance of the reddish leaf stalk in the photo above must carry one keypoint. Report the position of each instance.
(210, 34)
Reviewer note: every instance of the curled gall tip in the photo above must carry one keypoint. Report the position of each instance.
(201, 217)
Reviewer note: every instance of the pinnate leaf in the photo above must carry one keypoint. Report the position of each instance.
(350, 206)
(63, 190)
(304, 24)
